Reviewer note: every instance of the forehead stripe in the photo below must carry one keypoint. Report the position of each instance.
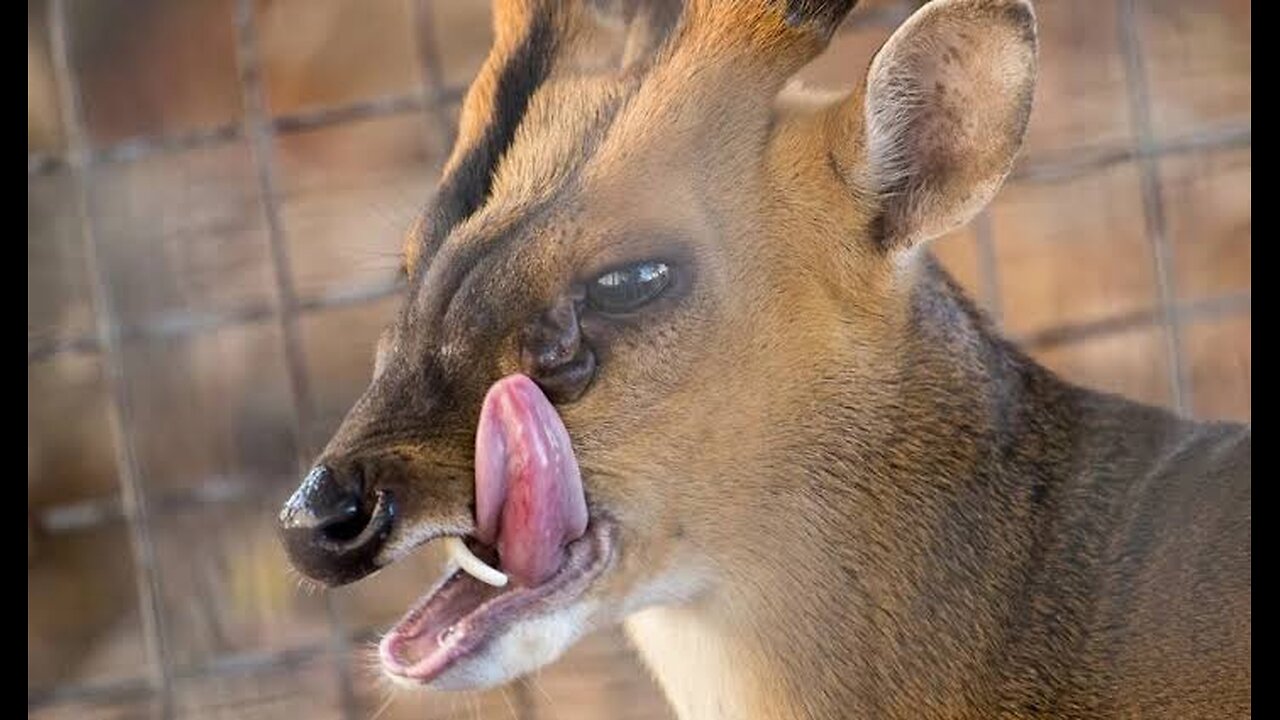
(466, 189)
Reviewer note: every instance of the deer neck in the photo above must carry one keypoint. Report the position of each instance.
(896, 580)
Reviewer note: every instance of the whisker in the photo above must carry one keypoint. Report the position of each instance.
(304, 584)
(391, 696)
(370, 659)
(535, 680)
(507, 700)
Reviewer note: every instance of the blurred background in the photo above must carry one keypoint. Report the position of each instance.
(216, 194)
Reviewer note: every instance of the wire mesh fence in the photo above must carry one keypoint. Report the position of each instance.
(158, 520)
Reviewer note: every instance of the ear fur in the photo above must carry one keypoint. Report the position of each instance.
(945, 107)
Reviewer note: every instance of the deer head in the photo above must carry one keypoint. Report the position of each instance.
(655, 316)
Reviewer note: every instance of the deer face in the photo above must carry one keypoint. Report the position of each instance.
(644, 280)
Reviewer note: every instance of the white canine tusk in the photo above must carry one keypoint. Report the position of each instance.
(472, 565)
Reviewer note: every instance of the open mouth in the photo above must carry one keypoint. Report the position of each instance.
(535, 548)
(462, 614)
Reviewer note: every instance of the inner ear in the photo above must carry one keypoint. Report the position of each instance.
(945, 107)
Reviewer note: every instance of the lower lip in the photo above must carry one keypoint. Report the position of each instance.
(588, 557)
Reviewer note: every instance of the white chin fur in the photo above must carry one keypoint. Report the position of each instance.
(523, 648)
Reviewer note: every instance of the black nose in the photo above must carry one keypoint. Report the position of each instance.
(333, 528)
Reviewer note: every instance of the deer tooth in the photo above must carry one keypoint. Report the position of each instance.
(472, 565)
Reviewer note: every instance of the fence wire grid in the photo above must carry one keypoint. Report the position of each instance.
(84, 163)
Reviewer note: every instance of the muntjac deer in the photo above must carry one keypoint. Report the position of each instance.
(674, 354)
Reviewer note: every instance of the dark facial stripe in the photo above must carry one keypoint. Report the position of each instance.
(466, 189)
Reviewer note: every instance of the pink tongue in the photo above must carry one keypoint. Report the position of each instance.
(529, 499)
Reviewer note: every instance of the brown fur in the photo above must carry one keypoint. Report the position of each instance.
(841, 494)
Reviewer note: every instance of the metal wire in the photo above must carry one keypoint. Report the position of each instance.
(1153, 202)
(258, 129)
(988, 268)
(133, 499)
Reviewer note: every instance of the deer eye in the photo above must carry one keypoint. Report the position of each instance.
(626, 289)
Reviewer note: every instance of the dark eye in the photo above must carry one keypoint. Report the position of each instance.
(628, 288)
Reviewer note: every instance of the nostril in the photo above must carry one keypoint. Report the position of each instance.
(327, 507)
(331, 530)
(347, 524)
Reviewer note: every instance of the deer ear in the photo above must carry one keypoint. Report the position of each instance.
(944, 109)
